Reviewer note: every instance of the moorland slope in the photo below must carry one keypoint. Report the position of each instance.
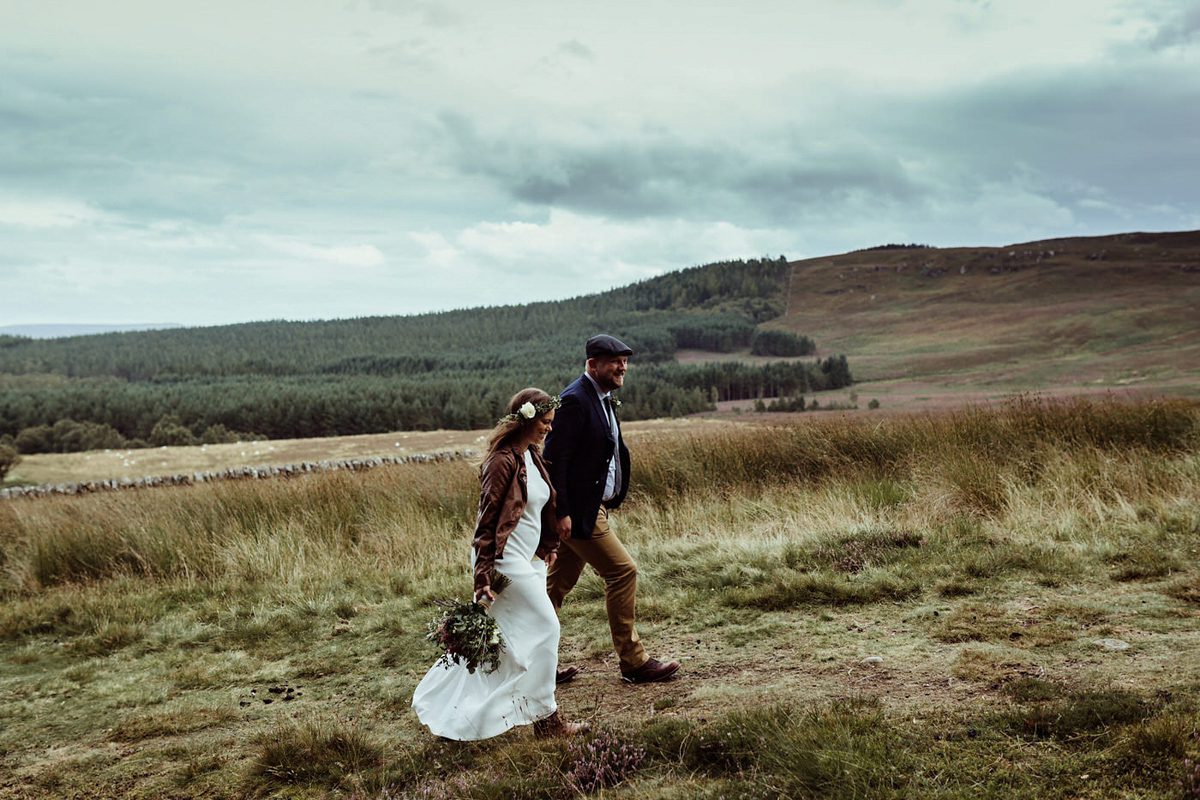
(1056, 315)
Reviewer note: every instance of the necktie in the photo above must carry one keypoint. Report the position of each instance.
(616, 454)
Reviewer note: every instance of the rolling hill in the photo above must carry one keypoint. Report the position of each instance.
(1055, 315)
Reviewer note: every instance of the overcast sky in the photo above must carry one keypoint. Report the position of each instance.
(234, 160)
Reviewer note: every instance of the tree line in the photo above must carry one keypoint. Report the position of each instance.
(713, 307)
(450, 370)
(98, 413)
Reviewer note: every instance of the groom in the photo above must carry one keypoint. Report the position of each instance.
(589, 467)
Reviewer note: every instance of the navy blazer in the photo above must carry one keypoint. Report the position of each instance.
(577, 452)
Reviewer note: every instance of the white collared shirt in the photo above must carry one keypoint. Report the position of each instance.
(611, 486)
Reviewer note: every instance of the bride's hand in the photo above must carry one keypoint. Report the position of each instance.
(550, 559)
(485, 596)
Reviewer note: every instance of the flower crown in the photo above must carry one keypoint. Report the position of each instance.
(529, 410)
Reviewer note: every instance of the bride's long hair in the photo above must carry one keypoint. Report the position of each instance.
(513, 425)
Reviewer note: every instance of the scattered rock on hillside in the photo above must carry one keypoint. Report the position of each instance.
(1112, 644)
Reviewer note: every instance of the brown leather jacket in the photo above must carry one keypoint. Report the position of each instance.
(503, 493)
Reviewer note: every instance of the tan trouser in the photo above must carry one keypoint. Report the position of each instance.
(608, 557)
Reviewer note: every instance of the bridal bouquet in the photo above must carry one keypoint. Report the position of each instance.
(467, 635)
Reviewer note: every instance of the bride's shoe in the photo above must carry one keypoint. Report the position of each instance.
(554, 725)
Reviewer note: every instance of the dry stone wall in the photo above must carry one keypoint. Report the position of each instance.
(231, 474)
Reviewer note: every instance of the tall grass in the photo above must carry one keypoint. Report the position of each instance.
(139, 615)
(970, 450)
(1086, 452)
(248, 531)
(1083, 465)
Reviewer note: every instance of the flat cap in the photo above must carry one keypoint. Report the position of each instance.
(605, 345)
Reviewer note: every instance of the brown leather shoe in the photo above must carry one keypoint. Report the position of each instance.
(650, 672)
(554, 725)
(566, 675)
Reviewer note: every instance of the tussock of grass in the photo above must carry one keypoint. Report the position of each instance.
(1144, 561)
(981, 622)
(956, 588)
(110, 637)
(316, 750)
(792, 590)
(137, 726)
(1079, 714)
(880, 493)
(1030, 690)
(855, 553)
(1186, 589)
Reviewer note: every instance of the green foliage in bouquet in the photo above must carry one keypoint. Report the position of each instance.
(468, 635)
(498, 580)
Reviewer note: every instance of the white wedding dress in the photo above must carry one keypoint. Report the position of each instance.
(459, 705)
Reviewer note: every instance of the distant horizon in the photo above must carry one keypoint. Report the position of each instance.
(61, 330)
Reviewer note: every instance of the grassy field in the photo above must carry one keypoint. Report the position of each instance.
(986, 602)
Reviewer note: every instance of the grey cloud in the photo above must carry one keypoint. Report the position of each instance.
(434, 14)
(578, 49)
(564, 62)
(1087, 151)
(1098, 145)
(1128, 135)
(665, 176)
(411, 53)
(118, 148)
(1179, 30)
(149, 147)
(784, 190)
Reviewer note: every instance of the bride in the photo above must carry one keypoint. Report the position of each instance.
(516, 537)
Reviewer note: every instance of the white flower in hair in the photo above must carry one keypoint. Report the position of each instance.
(528, 410)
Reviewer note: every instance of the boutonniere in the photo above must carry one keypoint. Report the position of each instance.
(615, 402)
